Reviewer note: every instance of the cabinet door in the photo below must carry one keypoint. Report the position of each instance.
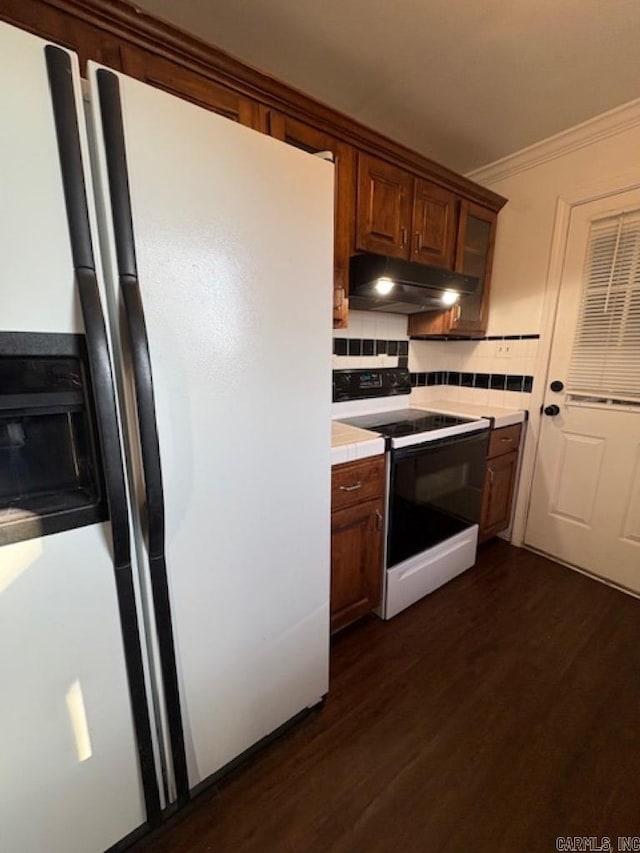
(433, 232)
(187, 84)
(356, 561)
(313, 140)
(383, 215)
(474, 256)
(499, 482)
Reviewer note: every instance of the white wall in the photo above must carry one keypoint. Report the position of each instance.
(541, 184)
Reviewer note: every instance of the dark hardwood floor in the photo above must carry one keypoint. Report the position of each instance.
(498, 713)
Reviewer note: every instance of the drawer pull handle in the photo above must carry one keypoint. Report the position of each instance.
(506, 439)
(352, 488)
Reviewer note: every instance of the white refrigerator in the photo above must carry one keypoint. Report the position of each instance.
(165, 364)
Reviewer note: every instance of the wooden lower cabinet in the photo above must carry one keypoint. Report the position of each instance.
(356, 561)
(356, 540)
(499, 481)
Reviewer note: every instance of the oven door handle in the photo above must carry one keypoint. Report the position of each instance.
(425, 447)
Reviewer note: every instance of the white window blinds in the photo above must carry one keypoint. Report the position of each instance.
(605, 361)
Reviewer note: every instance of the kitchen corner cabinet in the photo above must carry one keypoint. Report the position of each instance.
(403, 216)
(357, 507)
(499, 480)
(474, 256)
(311, 139)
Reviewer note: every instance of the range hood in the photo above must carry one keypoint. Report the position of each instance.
(410, 287)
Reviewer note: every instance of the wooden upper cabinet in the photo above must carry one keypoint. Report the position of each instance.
(410, 211)
(311, 139)
(474, 256)
(433, 234)
(189, 85)
(384, 207)
(404, 216)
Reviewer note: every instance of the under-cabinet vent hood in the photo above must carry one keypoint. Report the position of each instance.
(381, 283)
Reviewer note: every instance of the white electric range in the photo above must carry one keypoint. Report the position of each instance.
(435, 474)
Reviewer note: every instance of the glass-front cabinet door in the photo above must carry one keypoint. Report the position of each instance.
(474, 256)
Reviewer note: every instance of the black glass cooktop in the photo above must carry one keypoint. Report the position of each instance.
(404, 422)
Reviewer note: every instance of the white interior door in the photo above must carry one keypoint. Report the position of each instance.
(585, 500)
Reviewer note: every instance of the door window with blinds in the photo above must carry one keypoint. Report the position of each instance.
(605, 359)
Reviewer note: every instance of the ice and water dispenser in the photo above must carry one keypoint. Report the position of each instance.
(50, 473)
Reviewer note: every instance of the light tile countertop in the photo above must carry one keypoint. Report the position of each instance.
(500, 416)
(349, 443)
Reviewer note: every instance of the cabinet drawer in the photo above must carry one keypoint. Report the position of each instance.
(359, 481)
(504, 440)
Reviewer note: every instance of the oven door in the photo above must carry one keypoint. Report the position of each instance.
(435, 492)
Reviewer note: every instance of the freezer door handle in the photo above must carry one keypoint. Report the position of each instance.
(136, 331)
(59, 69)
(65, 115)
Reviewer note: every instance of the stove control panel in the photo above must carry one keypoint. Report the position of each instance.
(363, 384)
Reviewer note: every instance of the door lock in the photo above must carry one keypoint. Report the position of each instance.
(557, 385)
(552, 410)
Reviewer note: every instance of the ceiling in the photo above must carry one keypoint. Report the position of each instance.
(464, 82)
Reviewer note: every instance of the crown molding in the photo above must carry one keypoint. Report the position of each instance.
(603, 126)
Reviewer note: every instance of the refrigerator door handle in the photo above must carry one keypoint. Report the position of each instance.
(59, 71)
(136, 330)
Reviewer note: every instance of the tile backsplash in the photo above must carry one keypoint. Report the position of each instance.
(372, 340)
(492, 381)
(506, 355)
(497, 369)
